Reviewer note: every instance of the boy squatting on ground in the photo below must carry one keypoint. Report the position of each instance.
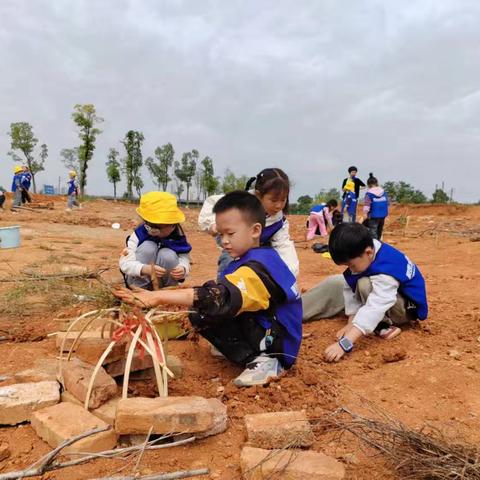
(383, 289)
(253, 314)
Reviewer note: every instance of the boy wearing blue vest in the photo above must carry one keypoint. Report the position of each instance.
(26, 181)
(158, 243)
(72, 191)
(384, 289)
(17, 186)
(375, 207)
(349, 202)
(253, 314)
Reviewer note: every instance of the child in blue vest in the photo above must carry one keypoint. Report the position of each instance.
(320, 219)
(384, 289)
(375, 207)
(272, 187)
(26, 181)
(158, 243)
(253, 314)
(349, 202)
(17, 187)
(72, 192)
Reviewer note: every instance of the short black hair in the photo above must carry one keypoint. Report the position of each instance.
(349, 241)
(352, 168)
(249, 205)
(332, 203)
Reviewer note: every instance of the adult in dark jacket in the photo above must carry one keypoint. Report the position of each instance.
(352, 172)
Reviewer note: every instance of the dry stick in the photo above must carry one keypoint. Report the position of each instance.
(163, 476)
(45, 463)
(142, 451)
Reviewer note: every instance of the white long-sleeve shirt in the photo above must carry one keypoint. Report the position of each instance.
(281, 241)
(382, 297)
(129, 264)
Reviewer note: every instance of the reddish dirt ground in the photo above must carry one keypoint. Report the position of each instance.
(435, 384)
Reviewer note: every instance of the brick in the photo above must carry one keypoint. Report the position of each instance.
(71, 336)
(19, 401)
(279, 430)
(76, 377)
(117, 369)
(219, 418)
(91, 349)
(65, 420)
(166, 415)
(105, 412)
(289, 465)
(64, 323)
(44, 370)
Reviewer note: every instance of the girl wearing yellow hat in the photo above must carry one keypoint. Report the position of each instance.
(349, 202)
(72, 192)
(158, 243)
(17, 186)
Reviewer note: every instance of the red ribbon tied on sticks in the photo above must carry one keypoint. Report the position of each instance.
(131, 321)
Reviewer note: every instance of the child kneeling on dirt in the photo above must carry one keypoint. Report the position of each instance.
(253, 314)
(158, 243)
(384, 289)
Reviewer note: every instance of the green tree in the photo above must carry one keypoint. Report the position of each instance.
(160, 169)
(403, 192)
(304, 204)
(23, 140)
(113, 169)
(133, 162)
(440, 196)
(210, 182)
(185, 169)
(231, 182)
(325, 195)
(70, 158)
(86, 118)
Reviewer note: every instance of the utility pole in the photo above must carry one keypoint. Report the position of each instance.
(451, 195)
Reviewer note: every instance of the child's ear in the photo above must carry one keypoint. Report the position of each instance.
(256, 230)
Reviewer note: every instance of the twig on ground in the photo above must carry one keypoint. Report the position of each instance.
(162, 476)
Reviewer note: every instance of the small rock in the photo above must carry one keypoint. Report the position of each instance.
(349, 458)
(394, 356)
(4, 451)
(454, 354)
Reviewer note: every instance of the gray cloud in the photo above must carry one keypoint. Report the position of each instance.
(393, 87)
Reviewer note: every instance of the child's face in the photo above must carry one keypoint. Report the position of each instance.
(361, 263)
(353, 173)
(273, 202)
(159, 230)
(237, 235)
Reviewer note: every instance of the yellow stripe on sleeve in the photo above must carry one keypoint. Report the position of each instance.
(255, 296)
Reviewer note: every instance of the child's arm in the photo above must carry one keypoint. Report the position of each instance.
(147, 299)
(206, 218)
(285, 247)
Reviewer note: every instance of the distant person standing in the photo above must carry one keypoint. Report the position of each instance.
(26, 181)
(349, 203)
(17, 186)
(2, 197)
(375, 207)
(352, 172)
(72, 192)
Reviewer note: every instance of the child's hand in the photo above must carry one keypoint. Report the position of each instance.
(334, 353)
(342, 331)
(213, 230)
(147, 270)
(124, 252)
(137, 296)
(178, 273)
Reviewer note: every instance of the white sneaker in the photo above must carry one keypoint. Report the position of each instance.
(215, 352)
(259, 372)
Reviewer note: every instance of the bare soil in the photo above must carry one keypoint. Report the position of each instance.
(428, 375)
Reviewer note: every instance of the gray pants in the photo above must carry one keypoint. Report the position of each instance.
(325, 299)
(72, 201)
(148, 253)
(17, 198)
(398, 315)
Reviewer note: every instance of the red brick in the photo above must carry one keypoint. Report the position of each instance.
(289, 465)
(76, 377)
(66, 420)
(279, 430)
(91, 349)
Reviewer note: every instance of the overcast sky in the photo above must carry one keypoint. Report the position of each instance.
(309, 86)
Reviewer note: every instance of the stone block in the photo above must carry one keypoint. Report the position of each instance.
(65, 420)
(117, 369)
(166, 415)
(279, 430)
(91, 349)
(105, 412)
(19, 401)
(260, 464)
(76, 377)
(219, 418)
(71, 336)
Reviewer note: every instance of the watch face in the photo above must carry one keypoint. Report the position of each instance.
(346, 344)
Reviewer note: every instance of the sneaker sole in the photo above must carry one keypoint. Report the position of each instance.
(254, 384)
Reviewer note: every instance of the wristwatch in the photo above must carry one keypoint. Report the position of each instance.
(346, 344)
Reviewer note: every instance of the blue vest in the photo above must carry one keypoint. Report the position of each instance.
(350, 202)
(318, 208)
(177, 243)
(378, 205)
(17, 181)
(289, 313)
(270, 231)
(72, 188)
(390, 261)
(26, 180)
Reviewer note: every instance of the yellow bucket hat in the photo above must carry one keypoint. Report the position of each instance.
(18, 169)
(72, 173)
(160, 208)
(349, 185)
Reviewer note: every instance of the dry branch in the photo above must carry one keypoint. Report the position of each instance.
(162, 476)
